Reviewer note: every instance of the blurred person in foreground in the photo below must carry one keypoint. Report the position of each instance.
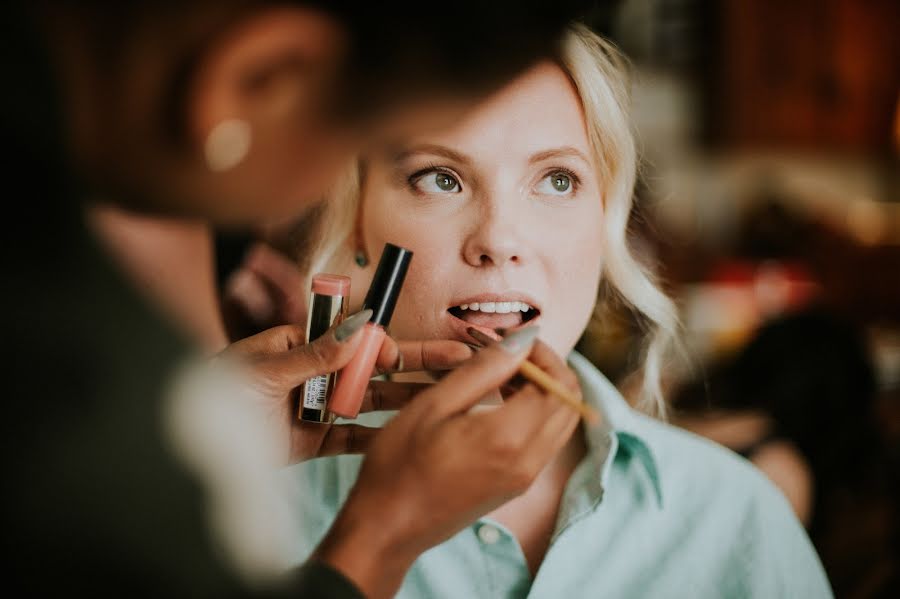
(128, 465)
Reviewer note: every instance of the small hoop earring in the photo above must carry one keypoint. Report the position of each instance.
(227, 144)
(361, 259)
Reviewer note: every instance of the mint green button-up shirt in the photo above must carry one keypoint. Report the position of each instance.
(651, 511)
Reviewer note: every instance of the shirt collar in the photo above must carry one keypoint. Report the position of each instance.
(618, 423)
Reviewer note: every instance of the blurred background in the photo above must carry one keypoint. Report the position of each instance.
(770, 199)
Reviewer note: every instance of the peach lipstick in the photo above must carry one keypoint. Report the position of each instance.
(329, 298)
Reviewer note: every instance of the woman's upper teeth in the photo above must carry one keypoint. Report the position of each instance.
(498, 307)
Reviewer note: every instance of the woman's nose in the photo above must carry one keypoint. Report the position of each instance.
(493, 240)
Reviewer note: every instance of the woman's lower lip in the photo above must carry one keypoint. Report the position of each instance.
(461, 325)
(491, 320)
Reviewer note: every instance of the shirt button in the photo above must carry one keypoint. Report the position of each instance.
(488, 534)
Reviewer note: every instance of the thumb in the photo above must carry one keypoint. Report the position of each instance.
(489, 369)
(330, 352)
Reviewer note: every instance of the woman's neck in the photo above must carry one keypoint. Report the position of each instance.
(532, 516)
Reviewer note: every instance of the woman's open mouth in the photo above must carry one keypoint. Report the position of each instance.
(494, 314)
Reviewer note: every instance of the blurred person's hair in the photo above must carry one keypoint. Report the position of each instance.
(396, 51)
(598, 72)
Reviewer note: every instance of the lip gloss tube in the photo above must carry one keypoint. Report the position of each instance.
(381, 299)
(329, 299)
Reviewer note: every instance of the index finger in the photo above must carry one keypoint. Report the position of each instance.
(413, 356)
(544, 363)
(488, 370)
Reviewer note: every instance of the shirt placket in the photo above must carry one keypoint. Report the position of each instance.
(504, 562)
(585, 489)
(582, 497)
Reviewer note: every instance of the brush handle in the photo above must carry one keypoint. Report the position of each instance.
(533, 373)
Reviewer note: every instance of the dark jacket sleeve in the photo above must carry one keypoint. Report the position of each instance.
(316, 580)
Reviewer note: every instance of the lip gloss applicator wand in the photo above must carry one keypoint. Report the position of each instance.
(381, 299)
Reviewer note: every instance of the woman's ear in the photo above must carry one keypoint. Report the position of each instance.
(262, 81)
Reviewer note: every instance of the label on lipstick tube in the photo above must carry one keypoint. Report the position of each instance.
(314, 392)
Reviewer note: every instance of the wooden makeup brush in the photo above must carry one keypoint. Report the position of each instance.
(533, 373)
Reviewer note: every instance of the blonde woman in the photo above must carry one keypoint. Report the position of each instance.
(517, 217)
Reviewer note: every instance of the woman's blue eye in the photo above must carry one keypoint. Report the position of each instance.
(558, 183)
(437, 182)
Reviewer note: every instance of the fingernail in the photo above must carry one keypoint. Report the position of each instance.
(517, 341)
(354, 323)
(474, 347)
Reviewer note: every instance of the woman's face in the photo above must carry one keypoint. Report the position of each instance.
(503, 213)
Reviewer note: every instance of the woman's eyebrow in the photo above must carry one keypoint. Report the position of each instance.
(560, 152)
(434, 150)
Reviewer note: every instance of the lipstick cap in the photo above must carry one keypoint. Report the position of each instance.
(328, 284)
(388, 281)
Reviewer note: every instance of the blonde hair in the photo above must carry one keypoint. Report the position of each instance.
(598, 72)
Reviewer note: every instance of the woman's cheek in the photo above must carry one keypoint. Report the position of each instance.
(575, 276)
(419, 299)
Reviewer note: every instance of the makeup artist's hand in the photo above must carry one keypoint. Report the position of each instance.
(437, 466)
(277, 361)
